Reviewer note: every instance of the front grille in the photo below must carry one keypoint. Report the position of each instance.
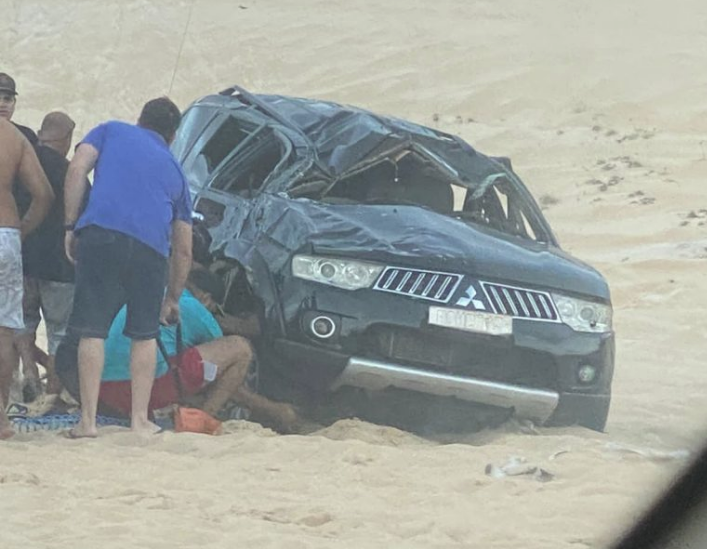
(467, 355)
(519, 302)
(431, 285)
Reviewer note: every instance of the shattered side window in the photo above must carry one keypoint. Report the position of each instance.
(193, 123)
(227, 138)
(501, 207)
(250, 167)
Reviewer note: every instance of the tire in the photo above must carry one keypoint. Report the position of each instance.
(590, 411)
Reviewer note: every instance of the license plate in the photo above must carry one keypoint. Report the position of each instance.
(471, 321)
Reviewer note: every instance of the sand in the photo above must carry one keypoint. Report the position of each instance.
(602, 107)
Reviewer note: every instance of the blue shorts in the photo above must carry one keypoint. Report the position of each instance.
(113, 270)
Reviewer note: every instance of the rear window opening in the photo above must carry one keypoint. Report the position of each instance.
(413, 179)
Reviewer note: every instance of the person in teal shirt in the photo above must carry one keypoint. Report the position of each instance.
(198, 326)
(209, 359)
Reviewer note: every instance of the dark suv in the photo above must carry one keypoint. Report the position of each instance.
(381, 254)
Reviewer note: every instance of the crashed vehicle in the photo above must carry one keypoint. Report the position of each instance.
(384, 255)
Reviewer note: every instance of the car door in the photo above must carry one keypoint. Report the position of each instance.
(241, 156)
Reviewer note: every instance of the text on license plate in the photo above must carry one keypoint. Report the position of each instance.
(471, 321)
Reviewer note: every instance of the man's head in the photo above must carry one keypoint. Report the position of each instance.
(162, 116)
(207, 287)
(8, 96)
(57, 132)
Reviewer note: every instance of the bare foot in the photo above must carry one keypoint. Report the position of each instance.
(287, 417)
(6, 430)
(145, 427)
(82, 432)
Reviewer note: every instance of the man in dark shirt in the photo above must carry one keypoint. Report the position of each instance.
(48, 274)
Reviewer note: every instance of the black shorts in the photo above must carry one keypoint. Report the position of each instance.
(113, 270)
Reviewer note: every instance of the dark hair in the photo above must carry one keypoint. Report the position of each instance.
(208, 282)
(162, 116)
(201, 242)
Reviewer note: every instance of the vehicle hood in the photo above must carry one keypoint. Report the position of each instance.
(416, 237)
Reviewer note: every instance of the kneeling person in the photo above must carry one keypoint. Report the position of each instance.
(211, 364)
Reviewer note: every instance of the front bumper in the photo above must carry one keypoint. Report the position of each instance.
(377, 376)
(385, 341)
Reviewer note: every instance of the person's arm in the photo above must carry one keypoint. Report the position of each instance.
(75, 187)
(246, 326)
(203, 327)
(33, 178)
(179, 266)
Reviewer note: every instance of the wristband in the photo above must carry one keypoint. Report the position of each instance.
(69, 226)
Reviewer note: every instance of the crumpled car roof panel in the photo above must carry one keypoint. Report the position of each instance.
(344, 137)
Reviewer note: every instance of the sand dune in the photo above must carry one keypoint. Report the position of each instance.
(601, 106)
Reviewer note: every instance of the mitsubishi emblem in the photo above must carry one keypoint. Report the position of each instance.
(470, 297)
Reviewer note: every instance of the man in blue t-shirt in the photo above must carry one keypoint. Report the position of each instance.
(139, 210)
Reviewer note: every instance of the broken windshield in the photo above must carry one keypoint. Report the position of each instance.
(414, 178)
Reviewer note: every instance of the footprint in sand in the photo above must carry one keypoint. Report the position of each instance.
(638, 133)
(603, 186)
(640, 198)
(548, 200)
(606, 132)
(620, 166)
(313, 518)
(694, 218)
(627, 161)
(624, 161)
(20, 478)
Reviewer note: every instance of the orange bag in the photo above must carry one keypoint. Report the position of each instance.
(193, 420)
(187, 420)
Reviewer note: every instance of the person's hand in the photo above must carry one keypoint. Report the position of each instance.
(170, 312)
(70, 246)
(210, 304)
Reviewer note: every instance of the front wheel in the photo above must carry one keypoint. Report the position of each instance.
(590, 411)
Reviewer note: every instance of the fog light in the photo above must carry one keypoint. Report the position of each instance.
(323, 327)
(587, 373)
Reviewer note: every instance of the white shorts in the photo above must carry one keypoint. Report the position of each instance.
(11, 279)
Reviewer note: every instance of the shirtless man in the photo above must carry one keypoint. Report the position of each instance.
(17, 160)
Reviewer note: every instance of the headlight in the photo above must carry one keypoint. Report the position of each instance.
(342, 273)
(583, 316)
